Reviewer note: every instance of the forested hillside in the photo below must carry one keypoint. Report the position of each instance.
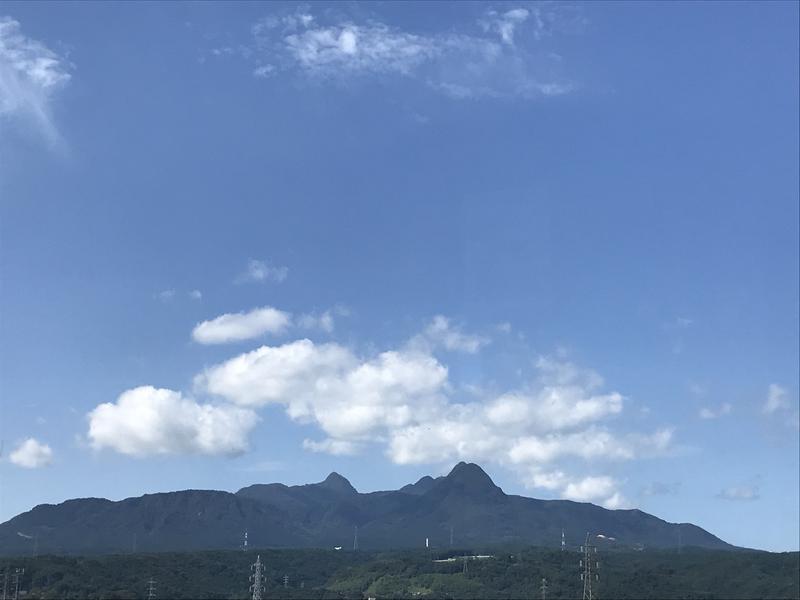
(509, 573)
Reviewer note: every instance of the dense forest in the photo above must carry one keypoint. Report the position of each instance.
(507, 572)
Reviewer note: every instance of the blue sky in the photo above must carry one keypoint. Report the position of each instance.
(247, 243)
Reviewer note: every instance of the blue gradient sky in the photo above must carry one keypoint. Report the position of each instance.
(608, 187)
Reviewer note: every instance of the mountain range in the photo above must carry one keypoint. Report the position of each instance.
(465, 506)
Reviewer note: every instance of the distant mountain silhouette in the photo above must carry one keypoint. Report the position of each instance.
(325, 514)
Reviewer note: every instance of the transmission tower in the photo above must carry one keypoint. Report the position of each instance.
(451, 536)
(5, 583)
(18, 573)
(544, 588)
(590, 566)
(244, 543)
(355, 538)
(285, 581)
(257, 579)
(151, 589)
(563, 542)
(466, 558)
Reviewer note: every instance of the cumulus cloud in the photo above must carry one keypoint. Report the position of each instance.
(235, 327)
(714, 413)
(348, 397)
(196, 295)
(401, 401)
(740, 493)
(148, 421)
(776, 399)
(31, 454)
(483, 59)
(30, 75)
(259, 271)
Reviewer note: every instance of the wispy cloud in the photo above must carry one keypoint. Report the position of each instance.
(777, 399)
(659, 488)
(715, 413)
(743, 493)
(30, 75)
(259, 271)
(497, 56)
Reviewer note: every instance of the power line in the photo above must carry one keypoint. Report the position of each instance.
(257, 579)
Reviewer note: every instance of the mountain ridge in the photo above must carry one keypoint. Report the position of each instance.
(325, 514)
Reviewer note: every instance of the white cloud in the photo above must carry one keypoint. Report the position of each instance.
(476, 62)
(31, 454)
(260, 271)
(776, 399)
(147, 421)
(399, 400)
(740, 493)
(30, 75)
(235, 327)
(711, 413)
(439, 333)
(196, 295)
(349, 398)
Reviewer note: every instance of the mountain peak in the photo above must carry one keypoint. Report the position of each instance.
(337, 483)
(470, 476)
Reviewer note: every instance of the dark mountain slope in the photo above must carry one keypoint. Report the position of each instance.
(326, 514)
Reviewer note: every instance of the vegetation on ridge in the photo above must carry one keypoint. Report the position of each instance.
(323, 574)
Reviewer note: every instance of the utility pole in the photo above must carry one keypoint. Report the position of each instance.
(258, 579)
(590, 566)
(544, 588)
(151, 589)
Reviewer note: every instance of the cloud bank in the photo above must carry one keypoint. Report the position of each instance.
(401, 401)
